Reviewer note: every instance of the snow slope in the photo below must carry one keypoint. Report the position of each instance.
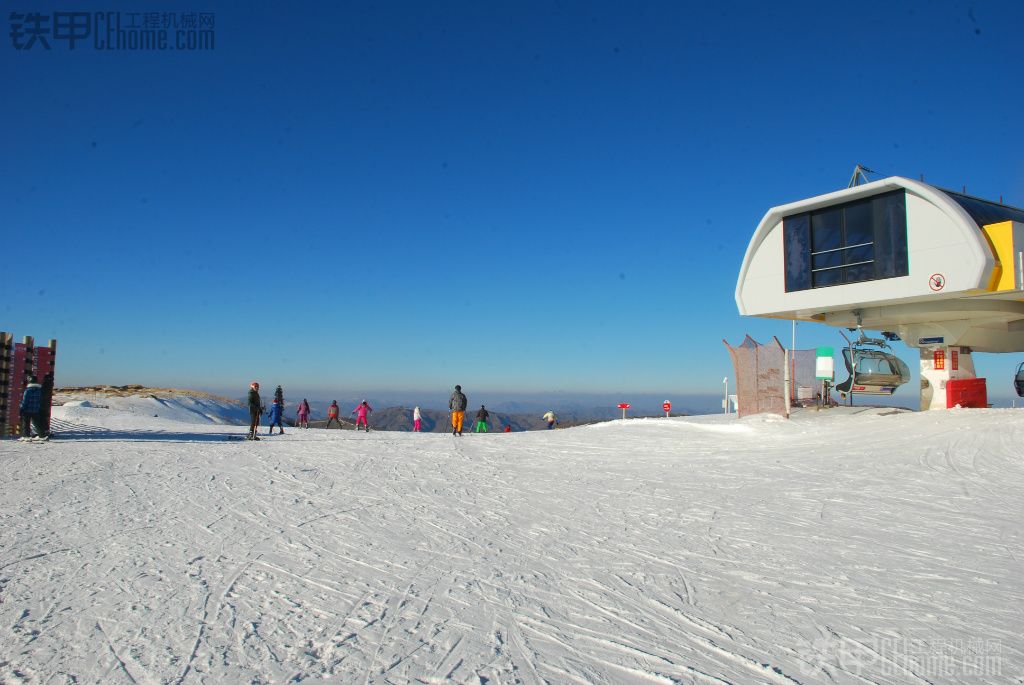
(838, 547)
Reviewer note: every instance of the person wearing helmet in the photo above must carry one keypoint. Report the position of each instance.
(332, 414)
(457, 404)
(255, 409)
(276, 417)
(361, 412)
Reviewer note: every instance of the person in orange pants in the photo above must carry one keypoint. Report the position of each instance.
(457, 404)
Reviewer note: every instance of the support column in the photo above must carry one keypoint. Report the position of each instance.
(940, 364)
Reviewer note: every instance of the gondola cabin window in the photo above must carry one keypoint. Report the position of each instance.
(864, 240)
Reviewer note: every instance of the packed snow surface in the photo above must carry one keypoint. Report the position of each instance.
(843, 546)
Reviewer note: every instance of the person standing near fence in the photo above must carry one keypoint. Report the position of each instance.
(255, 409)
(31, 403)
(457, 404)
(46, 407)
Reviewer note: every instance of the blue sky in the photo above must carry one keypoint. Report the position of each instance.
(522, 197)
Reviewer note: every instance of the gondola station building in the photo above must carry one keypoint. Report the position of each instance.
(942, 270)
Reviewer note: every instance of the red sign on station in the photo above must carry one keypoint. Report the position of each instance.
(939, 357)
(954, 360)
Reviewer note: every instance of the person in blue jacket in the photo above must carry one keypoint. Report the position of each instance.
(276, 412)
(31, 408)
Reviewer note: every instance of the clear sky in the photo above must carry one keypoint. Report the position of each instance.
(516, 196)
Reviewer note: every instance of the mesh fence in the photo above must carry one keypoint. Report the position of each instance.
(760, 376)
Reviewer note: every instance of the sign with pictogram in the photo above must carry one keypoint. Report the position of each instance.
(936, 282)
(667, 406)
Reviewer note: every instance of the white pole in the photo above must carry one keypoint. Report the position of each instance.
(792, 361)
(725, 399)
(785, 392)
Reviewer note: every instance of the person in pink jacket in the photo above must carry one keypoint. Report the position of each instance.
(303, 414)
(361, 412)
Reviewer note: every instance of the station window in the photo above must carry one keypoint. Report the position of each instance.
(864, 240)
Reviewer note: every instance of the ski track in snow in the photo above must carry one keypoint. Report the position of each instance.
(696, 550)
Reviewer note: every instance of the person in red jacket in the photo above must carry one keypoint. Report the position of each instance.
(332, 414)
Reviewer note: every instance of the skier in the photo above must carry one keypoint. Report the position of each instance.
(551, 419)
(255, 409)
(481, 420)
(303, 414)
(276, 410)
(508, 428)
(457, 404)
(31, 404)
(361, 412)
(332, 414)
(417, 420)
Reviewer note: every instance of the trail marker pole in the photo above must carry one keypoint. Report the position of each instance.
(667, 406)
(624, 406)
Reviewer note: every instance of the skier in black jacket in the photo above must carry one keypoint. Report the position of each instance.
(457, 404)
(255, 410)
(481, 420)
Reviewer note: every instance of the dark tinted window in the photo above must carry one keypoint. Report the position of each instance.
(984, 212)
(796, 236)
(857, 241)
(889, 216)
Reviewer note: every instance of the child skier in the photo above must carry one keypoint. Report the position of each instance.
(332, 414)
(303, 414)
(361, 412)
(276, 410)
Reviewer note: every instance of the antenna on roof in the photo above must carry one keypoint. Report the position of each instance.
(859, 176)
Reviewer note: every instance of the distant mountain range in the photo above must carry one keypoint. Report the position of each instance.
(522, 412)
(436, 421)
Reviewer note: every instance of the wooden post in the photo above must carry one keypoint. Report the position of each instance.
(30, 355)
(47, 405)
(6, 342)
(30, 358)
